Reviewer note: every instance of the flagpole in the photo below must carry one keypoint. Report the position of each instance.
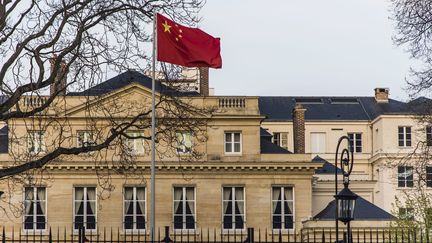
(153, 132)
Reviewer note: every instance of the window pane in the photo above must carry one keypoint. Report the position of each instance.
(190, 222)
(239, 193)
(227, 193)
(276, 193)
(289, 222)
(140, 193)
(128, 224)
(288, 193)
(140, 224)
(237, 148)
(277, 222)
(227, 222)
(178, 222)
(239, 223)
(228, 137)
(237, 137)
(228, 147)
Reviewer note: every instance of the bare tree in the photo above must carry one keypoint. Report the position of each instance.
(413, 22)
(48, 47)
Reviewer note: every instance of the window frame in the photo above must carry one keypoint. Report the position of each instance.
(405, 180)
(409, 213)
(405, 142)
(233, 205)
(41, 142)
(183, 187)
(355, 139)
(34, 209)
(232, 142)
(282, 214)
(428, 175)
(134, 151)
(279, 140)
(178, 144)
(325, 143)
(84, 132)
(85, 207)
(428, 135)
(135, 201)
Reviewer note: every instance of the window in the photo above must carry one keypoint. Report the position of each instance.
(35, 208)
(35, 142)
(429, 176)
(405, 176)
(85, 207)
(406, 213)
(233, 143)
(184, 142)
(134, 208)
(282, 207)
(356, 142)
(404, 136)
(184, 207)
(429, 135)
(318, 142)
(135, 144)
(85, 138)
(281, 139)
(233, 208)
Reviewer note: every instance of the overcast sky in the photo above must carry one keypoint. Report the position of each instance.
(305, 47)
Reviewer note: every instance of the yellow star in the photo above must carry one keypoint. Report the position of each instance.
(176, 39)
(180, 30)
(180, 36)
(167, 27)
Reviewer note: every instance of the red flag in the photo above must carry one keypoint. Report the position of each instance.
(189, 47)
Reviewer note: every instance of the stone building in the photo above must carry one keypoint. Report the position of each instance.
(267, 162)
(242, 180)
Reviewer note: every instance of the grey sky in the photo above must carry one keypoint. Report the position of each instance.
(305, 47)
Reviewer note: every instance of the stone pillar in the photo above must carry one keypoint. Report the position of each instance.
(298, 115)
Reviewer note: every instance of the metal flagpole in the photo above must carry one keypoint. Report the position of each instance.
(153, 132)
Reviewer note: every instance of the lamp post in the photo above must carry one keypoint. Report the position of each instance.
(345, 199)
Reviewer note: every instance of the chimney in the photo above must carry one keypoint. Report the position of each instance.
(204, 81)
(382, 95)
(59, 82)
(298, 115)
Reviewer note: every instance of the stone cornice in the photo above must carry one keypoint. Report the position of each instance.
(251, 167)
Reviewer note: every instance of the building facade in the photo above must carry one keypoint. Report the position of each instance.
(265, 162)
(385, 135)
(240, 180)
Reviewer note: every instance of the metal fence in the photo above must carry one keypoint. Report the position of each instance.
(165, 235)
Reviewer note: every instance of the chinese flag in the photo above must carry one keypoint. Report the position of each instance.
(189, 47)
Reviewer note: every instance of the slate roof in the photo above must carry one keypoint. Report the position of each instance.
(364, 210)
(265, 133)
(278, 108)
(126, 78)
(267, 146)
(327, 168)
(4, 139)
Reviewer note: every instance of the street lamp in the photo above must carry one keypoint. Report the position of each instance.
(345, 199)
(346, 203)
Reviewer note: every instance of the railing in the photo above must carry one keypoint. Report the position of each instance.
(34, 101)
(232, 102)
(204, 235)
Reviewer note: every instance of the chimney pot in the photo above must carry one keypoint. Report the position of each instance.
(382, 95)
(298, 114)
